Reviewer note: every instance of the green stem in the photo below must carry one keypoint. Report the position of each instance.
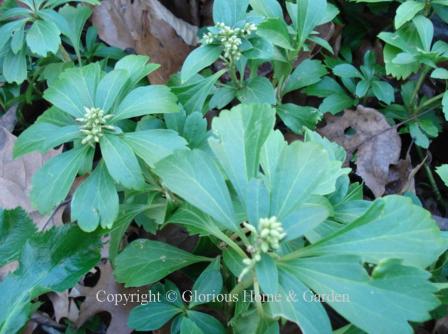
(232, 72)
(232, 244)
(65, 55)
(242, 285)
(431, 179)
(418, 85)
(258, 304)
(428, 103)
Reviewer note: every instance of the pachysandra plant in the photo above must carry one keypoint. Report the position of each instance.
(288, 223)
(244, 40)
(91, 108)
(34, 28)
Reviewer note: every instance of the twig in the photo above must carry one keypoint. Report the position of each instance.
(431, 179)
(55, 211)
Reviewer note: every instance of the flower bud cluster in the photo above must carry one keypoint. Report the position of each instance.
(271, 232)
(267, 238)
(94, 123)
(230, 39)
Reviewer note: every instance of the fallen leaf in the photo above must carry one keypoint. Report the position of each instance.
(15, 180)
(63, 306)
(93, 303)
(150, 29)
(401, 177)
(9, 119)
(366, 133)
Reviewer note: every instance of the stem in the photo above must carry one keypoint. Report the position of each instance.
(420, 81)
(242, 285)
(78, 56)
(431, 179)
(429, 102)
(232, 244)
(65, 55)
(258, 304)
(232, 72)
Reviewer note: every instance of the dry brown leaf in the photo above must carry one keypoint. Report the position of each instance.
(15, 179)
(150, 29)
(63, 306)
(9, 119)
(377, 145)
(91, 306)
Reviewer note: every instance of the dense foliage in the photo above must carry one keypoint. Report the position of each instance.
(230, 155)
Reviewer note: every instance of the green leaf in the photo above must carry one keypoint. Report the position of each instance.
(110, 88)
(257, 201)
(137, 66)
(442, 171)
(297, 117)
(309, 14)
(75, 89)
(195, 130)
(362, 87)
(257, 90)
(270, 154)
(445, 105)
(307, 217)
(199, 59)
(189, 327)
(267, 275)
(425, 31)
(147, 261)
(336, 103)
(18, 39)
(421, 139)
(121, 162)
(95, 201)
(195, 221)
(233, 261)
(146, 100)
(154, 145)
(43, 37)
(208, 284)
(229, 12)
(291, 186)
(405, 293)
(43, 136)
(275, 31)
(326, 87)
(15, 229)
(8, 29)
(393, 227)
(50, 261)
(15, 67)
(207, 323)
(222, 97)
(194, 176)
(52, 182)
(307, 73)
(239, 135)
(347, 71)
(74, 20)
(193, 96)
(406, 12)
(268, 8)
(152, 316)
(440, 73)
(383, 91)
(309, 316)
